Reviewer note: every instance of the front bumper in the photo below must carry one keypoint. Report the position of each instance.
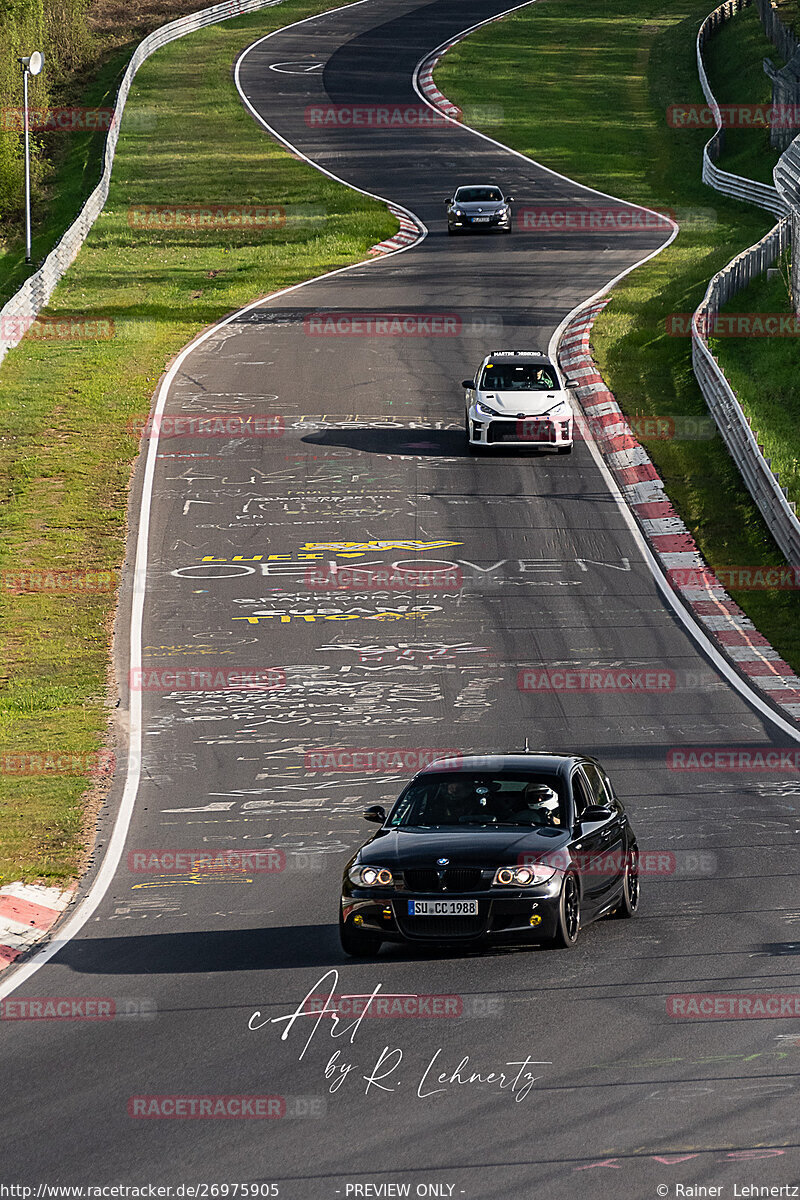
(494, 221)
(533, 433)
(528, 915)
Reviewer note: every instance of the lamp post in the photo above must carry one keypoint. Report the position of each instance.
(31, 65)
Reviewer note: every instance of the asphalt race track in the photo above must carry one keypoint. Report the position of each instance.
(371, 469)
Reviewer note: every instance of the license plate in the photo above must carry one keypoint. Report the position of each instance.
(481, 218)
(443, 908)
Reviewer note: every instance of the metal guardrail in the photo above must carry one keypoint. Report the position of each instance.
(787, 181)
(737, 186)
(780, 35)
(742, 441)
(20, 311)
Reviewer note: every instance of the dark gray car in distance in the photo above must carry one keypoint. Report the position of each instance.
(478, 206)
(515, 847)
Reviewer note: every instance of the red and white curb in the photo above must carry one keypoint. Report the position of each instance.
(27, 911)
(408, 233)
(424, 76)
(671, 542)
(429, 89)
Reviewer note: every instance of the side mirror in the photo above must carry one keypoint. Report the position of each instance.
(468, 383)
(595, 812)
(449, 200)
(571, 383)
(375, 813)
(509, 199)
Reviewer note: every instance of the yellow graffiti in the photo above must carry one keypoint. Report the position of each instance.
(285, 618)
(345, 548)
(313, 551)
(160, 881)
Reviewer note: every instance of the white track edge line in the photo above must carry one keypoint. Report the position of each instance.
(693, 627)
(684, 615)
(111, 859)
(113, 854)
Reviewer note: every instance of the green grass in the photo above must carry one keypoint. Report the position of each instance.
(73, 169)
(583, 86)
(764, 373)
(734, 58)
(65, 455)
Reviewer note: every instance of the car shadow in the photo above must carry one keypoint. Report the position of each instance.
(419, 443)
(211, 951)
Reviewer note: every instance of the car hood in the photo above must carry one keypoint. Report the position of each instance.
(400, 848)
(477, 208)
(524, 404)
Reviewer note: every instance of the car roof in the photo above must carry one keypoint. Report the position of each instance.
(486, 185)
(520, 358)
(536, 761)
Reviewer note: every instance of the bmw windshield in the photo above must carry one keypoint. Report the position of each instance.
(465, 800)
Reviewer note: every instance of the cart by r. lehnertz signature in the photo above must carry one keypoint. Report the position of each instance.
(385, 1071)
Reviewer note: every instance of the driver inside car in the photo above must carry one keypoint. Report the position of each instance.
(447, 804)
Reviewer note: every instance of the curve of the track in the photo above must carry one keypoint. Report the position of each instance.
(373, 452)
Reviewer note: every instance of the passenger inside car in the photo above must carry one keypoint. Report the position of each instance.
(538, 805)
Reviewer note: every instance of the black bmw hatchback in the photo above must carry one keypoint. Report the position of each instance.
(517, 847)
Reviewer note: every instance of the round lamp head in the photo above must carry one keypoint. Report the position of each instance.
(34, 62)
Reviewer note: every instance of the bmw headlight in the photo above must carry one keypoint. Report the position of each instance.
(371, 876)
(525, 876)
(459, 213)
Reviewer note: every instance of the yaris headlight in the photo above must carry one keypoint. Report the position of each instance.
(525, 876)
(483, 407)
(371, 876)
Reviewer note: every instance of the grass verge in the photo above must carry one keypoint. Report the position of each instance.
(65, 455)
(763, 372)
(734, 62)
(584, 86)
(72, 162)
